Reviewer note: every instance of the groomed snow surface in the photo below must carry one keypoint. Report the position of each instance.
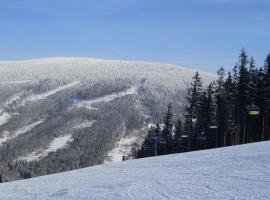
(239, 172)
(51, 92)
(57, 143)
(107, 98)
(9, 136)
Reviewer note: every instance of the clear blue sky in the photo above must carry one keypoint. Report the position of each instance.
(202, 34)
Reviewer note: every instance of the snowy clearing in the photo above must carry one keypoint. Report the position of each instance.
(238, 172)
(9, 136)
(85, 124)
(123, 148)
(107, 98)
(4, 117)
(58, 143)
(51, 92)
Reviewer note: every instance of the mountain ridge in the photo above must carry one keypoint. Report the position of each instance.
(121, 97)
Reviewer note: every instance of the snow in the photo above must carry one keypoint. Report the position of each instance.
(238, 172)
(13, 98)
(123, 148)
(107, 98)
(4, 117)
(85, 124)
(16, 81)
(58, 143)
(8, 136)
(51, 92)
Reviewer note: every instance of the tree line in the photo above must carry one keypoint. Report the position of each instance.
(232, 110)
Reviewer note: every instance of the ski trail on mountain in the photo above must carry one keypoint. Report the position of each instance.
(57, 143)
(6, 136)
(88, 104)
(51, 92)
(123, 148)
(4, 117)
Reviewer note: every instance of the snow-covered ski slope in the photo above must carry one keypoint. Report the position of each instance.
(239, 172)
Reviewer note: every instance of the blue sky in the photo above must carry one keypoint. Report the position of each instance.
(203, 34)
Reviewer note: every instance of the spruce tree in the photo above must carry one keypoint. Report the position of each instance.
(242, 96)
(266, 97)
(193, 100)
(253, 77)
(221, 109)
(230, 110)
(177, 135)
(178, 129)
(168, 126)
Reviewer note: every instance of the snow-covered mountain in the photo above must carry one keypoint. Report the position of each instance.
(238, 172)
(58, 114)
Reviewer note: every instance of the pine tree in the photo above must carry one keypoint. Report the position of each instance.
(177, 136)
(168, 126)
(202, 122)
(158, 129)
(260, 102)
(253, 77)
(221, 110)
(266, 98)
(230, 110)
(193, 99)
(210, 135)
(252, 122)
(178, 129)
(242, 96)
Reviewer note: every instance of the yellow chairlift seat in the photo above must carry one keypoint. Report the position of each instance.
(184, 136)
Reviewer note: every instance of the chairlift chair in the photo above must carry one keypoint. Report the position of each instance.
(213, 122)
(213, 125)
(254, 110)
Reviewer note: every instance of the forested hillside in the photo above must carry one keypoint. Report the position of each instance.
(60, 114)
(232, 110)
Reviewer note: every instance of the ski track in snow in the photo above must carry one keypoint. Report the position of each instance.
(107, 98)
(123, 148)
(51, 92)
(9, 136)
(5, 116)
(238, 172)
(84, 124)
(57, 143)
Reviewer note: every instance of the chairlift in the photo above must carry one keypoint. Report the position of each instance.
(213, 123)
(202, 138)
(194, 120)
(254, 110)
(155, 137)
(184, 136)
(162, 141)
